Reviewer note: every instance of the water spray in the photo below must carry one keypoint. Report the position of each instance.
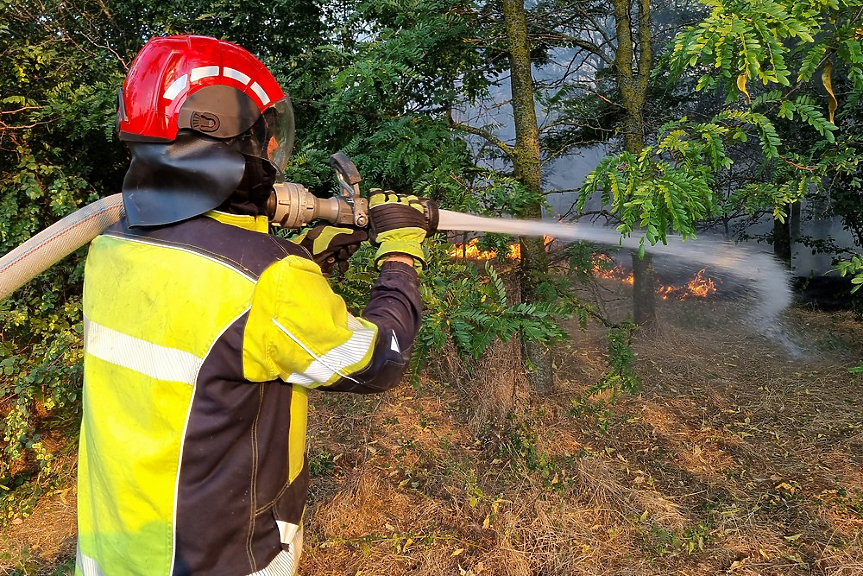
(764, 277)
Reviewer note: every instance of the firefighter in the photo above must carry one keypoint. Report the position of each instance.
(204, 334)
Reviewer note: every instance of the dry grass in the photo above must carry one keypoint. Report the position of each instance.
(734, 458)
(42, 541)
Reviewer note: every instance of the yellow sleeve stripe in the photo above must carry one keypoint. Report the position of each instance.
(159, 362)
(323, 368)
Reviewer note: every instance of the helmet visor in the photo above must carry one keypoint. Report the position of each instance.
(281, 140)
(272, 135)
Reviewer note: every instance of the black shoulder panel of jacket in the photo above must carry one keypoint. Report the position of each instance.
(395, 307)
(248, 251)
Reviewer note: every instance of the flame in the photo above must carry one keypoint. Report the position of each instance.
(698, 287)
(603, 267)
(701, 286)
(472, 251)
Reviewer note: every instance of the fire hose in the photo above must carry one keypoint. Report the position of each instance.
(56, 242)
(290, 206)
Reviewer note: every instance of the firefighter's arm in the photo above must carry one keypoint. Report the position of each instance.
(395, 308)
(305, 334)
(301, 332)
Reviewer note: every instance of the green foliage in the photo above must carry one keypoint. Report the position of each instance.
(662, 541)
(667, 187)
(620, 375)
(744, 39)
(771, 41)
(597, 400)
(799, 67)
(519, 446)
(384, 86)
(321, 463)
(57, 115)
(473, 310)
(853, 268)
(500, 244)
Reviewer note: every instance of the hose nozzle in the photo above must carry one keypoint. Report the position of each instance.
(293, 206)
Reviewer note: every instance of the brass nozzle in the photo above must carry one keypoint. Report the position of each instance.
(293, 206)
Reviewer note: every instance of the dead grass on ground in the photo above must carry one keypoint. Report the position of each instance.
(40, 542)
(735, 457)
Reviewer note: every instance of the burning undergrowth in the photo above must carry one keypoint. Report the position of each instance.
(604, 266)
(681, 285)
(697, 271)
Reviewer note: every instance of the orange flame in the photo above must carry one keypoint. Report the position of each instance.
(701, 286)
(604, 267)
(472, 251)
(698, 287)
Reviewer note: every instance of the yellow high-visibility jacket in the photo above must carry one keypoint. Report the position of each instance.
(202, 340)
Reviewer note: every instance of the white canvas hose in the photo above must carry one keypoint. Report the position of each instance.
(56, 242)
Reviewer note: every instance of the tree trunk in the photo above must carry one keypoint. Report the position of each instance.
(526, 163)
(786, 233)
(644, 292)
(782, 240)
(632, 63)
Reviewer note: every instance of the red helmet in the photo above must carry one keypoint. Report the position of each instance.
(203, 118)
(206, 85)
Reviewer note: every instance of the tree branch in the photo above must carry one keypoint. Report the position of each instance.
(488, 136)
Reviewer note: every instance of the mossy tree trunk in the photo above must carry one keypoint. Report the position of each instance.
(632, 63)
(526, 162)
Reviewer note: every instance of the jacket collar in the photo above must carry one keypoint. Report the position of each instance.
(255, 223)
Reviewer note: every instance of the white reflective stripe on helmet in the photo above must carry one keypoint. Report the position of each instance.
(203, 72)
(176, 87)
(236, 75)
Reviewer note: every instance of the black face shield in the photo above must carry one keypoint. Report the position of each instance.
(167, 183)
(197, 172)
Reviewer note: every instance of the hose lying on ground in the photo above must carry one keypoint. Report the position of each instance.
(56, 242)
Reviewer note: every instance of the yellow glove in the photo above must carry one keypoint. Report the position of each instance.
(399, 225)
(331, 246)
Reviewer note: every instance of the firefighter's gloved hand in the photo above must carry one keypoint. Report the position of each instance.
(332, 246)
(398, 224)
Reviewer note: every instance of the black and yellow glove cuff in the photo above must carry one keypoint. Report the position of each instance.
(406, 247)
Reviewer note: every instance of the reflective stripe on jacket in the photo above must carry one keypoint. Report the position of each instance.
(202, 340)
